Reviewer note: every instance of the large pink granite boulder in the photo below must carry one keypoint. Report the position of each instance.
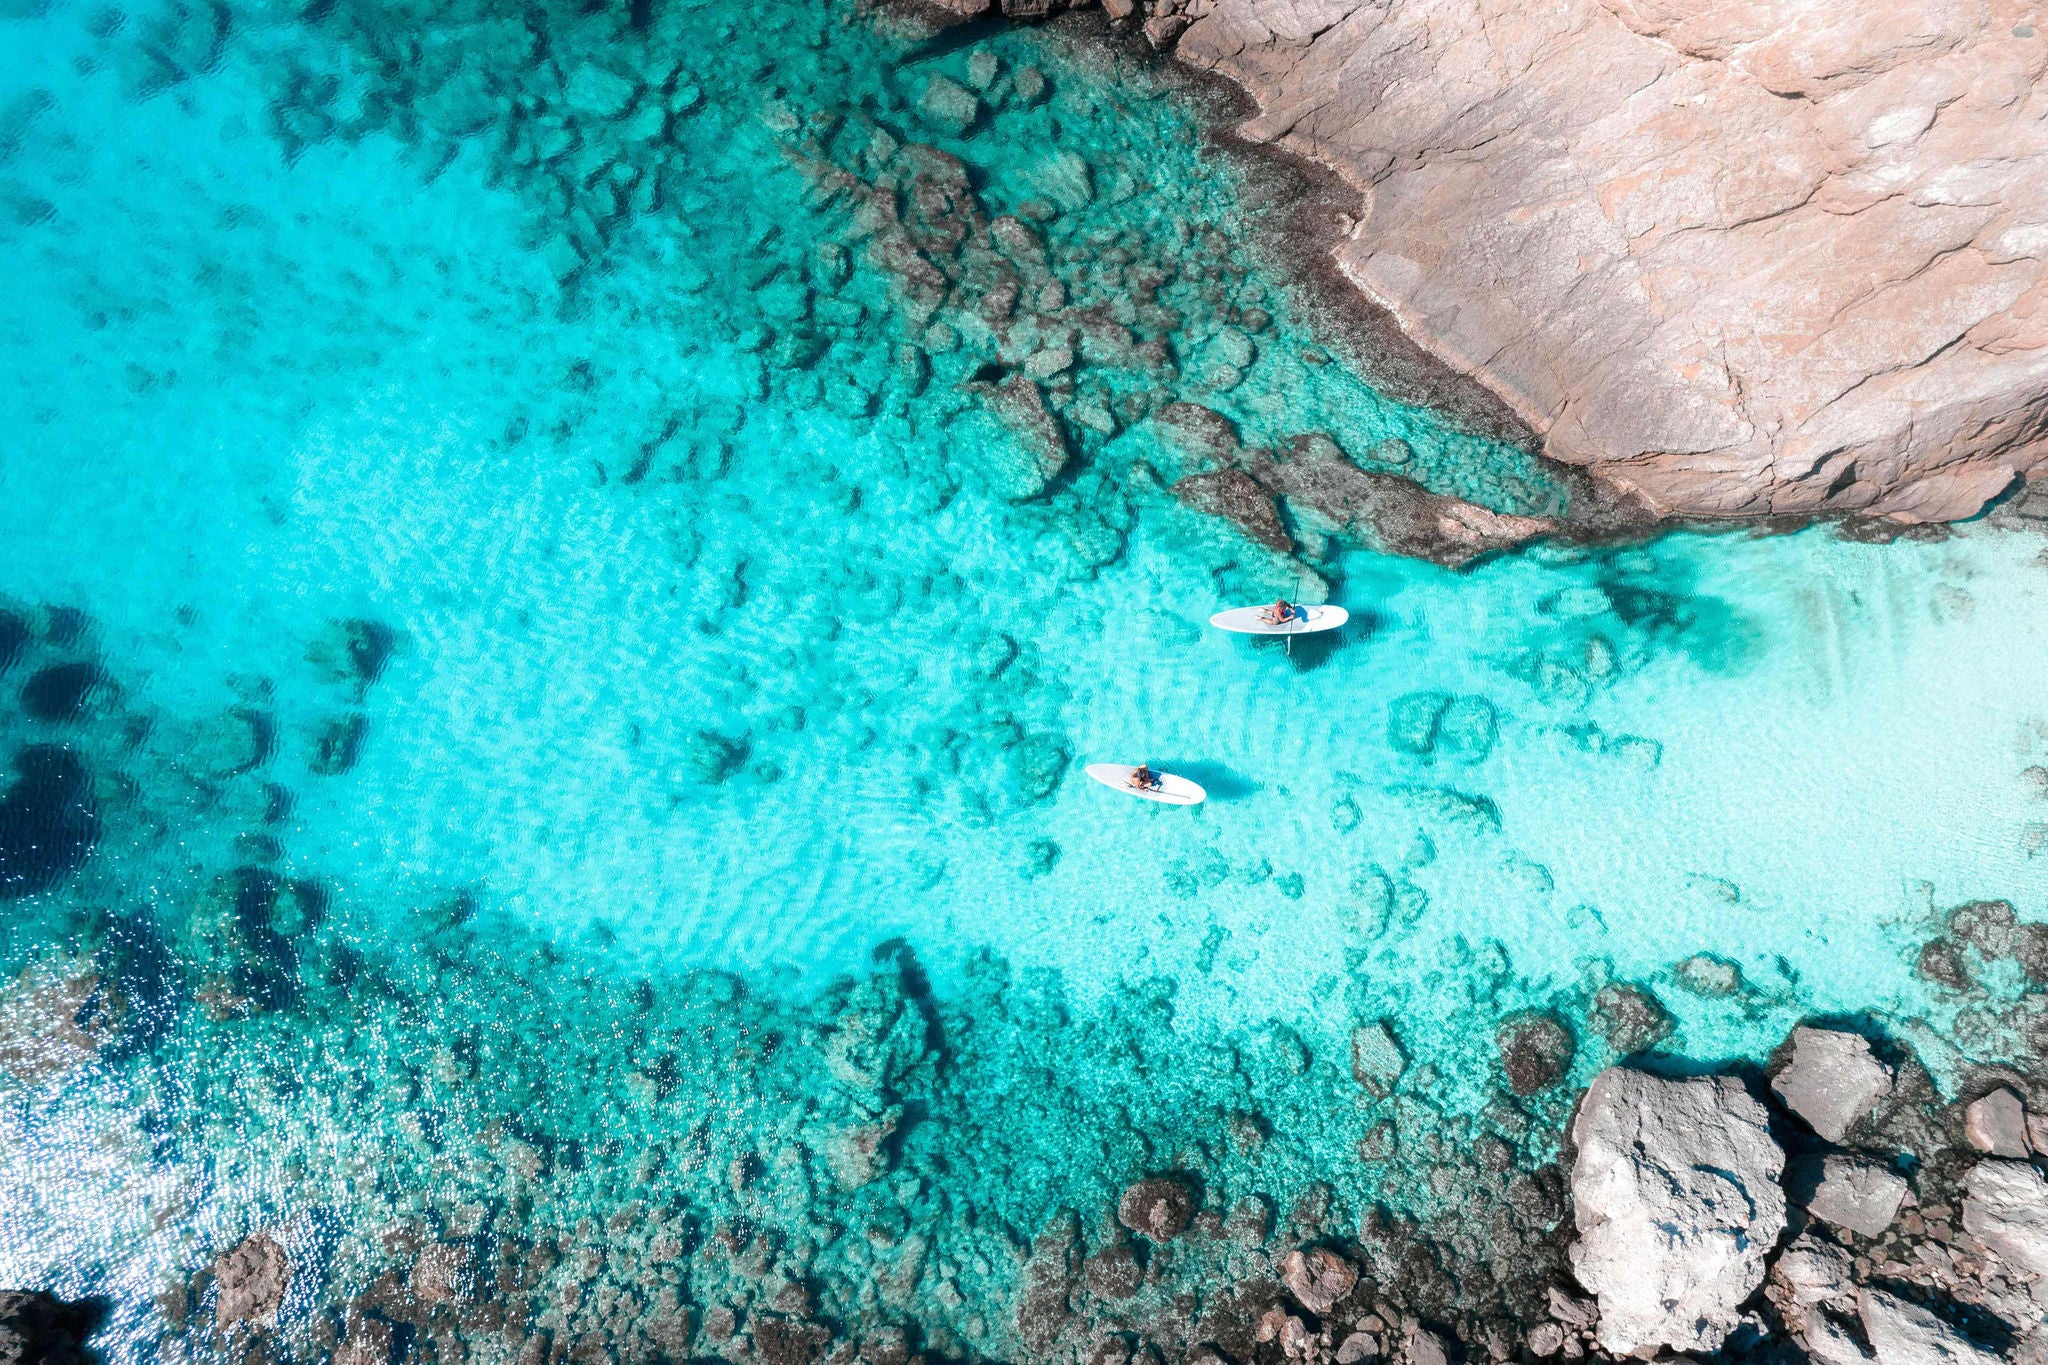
(1736, 257)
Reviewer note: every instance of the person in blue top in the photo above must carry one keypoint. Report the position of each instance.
(1144, 779)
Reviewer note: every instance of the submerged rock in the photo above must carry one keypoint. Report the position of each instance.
(1159, 1207)
(1630, 1018)
(1390, 513)
(1412, 720)
(338, 743)
(444, 1273)
(14, 638)
(56, 1017)
(1199, 439)
(710, 758)
(1237, 497)
(355, 650)
(597, 92)
(1709, 977)
(1677, 1203)
(1377, 1061)
(949, 104)
(61, 692)
(1832, 1080)
(1535, 1051)
(1024, 466)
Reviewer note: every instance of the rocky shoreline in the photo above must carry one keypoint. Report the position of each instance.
(1831, 1209)
(1572, 213)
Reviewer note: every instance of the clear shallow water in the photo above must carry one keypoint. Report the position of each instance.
(712, 648)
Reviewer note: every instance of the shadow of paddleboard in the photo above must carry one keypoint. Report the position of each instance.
(1221, 782)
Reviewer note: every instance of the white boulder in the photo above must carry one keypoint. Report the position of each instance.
(1829, 1344)
(1677, 1203)
(1832, 1080)
(1814, 1271)
(1903, 1333)
(2005, 1206)
(1847, 1192)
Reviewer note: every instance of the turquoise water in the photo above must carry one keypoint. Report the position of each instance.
(590, 696)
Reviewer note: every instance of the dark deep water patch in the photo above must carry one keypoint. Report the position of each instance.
(61, 692)
(48, 822)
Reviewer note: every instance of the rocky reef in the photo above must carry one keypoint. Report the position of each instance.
(1733, 260)
(822, 1208)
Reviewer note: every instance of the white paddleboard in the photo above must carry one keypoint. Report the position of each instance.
(1173, 791)
(1307, 620)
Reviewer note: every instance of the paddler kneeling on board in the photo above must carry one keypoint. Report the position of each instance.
(1280, 613)
(1144, 779)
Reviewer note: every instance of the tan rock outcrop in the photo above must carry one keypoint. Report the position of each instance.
(1735, 257)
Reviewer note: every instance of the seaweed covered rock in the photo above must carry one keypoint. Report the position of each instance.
(1677, 1203)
